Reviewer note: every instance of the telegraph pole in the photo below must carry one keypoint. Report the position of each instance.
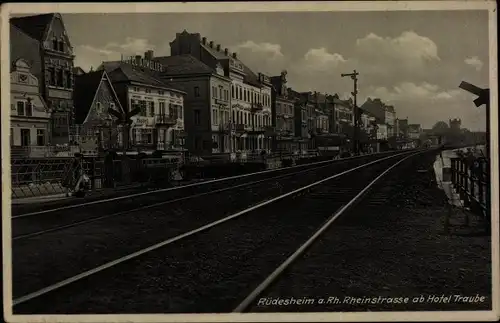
(354, 77)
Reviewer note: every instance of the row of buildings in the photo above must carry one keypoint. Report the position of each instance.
(202, 98)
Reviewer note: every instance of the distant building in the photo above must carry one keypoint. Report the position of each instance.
(385, 114)
(29, 115)
(283, 113)
(401, 128)
(302, 135)
(414, 131)
(455, 124)
(55, 65)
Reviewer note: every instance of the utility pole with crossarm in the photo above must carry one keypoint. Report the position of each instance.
(354, 77)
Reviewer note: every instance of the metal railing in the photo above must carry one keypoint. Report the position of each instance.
(470, 178)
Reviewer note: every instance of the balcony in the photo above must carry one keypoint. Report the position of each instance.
(239, 128)
(168, 120)
(257, 130)
(225, 127)
(269, 131)
(257, 107)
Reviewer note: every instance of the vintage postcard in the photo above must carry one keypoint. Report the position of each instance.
(250, 161)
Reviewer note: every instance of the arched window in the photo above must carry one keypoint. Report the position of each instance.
(54, 43)
(61, 45)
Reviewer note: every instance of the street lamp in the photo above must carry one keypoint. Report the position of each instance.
(354, 77)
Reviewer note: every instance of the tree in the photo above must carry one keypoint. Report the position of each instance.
(125, 120)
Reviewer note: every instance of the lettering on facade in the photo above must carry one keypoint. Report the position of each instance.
(59, 94)
(141, 62)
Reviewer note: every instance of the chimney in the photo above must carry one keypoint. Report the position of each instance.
(204, 40)
(211, 44)
(149, 55)
(226, 51)
(218, 47)
(235, 56)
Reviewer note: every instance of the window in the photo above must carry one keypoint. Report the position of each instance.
(220, 93)
(234, 117)
(54, 44)
(52, 76)
(148, 90)
(99, 107)
(241, 94)
(60, 78)
(25, 137)
(214, 92)
(142, 106)
(69, 83)
(20, 108)
(197, 119)
(40, 137)
(61, 46)
(151, 109)
(232, 91)
(12, 136)
(181, 112)
(161, 92)
(162, 108)
(196, 91)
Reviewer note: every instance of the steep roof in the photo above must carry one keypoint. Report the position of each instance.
(86, 86)
(250, 77)
(183, 65)
(33, 26)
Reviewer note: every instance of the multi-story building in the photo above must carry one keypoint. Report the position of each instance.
(382, 131)
(414, 131)
(159, 123)
(282, 107)
(368, 124)
(344, 115)
(29, 115)
(401, 128)
(250, 92)
(56, 64)
(95, 127)
(207, 104)
(302, 135)
(390, 120)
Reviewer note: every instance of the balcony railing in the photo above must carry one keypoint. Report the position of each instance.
(166, 119)
(225, 127)
(239, 127)
(257, 130)
(257, 106)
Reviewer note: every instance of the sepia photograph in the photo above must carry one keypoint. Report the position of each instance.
(287, 161)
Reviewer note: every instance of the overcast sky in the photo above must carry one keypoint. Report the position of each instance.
(414, 60)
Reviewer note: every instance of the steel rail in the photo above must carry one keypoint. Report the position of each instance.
(286, 264)
(67, 207)
(141, 252)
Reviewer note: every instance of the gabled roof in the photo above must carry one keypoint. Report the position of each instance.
(183, 65)
(33, 26)
(86, 86)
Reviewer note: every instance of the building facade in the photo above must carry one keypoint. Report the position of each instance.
(56, 81)
(96, 128)
(29, 115)
(159, 123)
(283, 112)
(207, 104)
(414, 131)
(250, 92)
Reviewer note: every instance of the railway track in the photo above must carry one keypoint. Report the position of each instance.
(42, 259)
(222, 257)
(44, 221)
